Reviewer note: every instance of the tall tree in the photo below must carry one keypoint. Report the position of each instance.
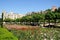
(59, 9)
(2, 21)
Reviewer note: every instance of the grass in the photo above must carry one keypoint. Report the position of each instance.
(38, 34)
(6, 35)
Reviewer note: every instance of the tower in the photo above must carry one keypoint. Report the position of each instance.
(53, 8)
(4, 14)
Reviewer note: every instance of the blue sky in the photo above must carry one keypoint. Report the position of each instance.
(24, 6)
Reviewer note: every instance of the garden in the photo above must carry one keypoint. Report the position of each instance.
(38, 34)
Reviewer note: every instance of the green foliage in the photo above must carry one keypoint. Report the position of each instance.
(5, 35)
(57, 15)
(50, 16)
(34, 17)
(59, 9)
(8, 20)
(17, 20)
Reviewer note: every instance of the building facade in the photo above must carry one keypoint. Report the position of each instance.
(11, 15)
(53, 8)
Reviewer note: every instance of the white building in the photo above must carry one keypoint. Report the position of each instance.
(11, 15)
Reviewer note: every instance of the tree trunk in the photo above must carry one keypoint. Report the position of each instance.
(49, 23)
(55, 22)
(44, 24)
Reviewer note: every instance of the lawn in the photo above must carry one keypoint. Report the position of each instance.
(6, 35)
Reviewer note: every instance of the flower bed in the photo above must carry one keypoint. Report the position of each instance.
(38, 34)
